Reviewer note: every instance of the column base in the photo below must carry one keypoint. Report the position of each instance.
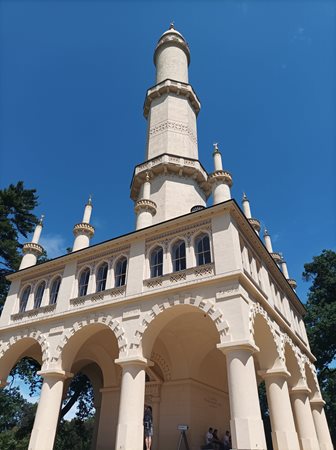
(285, 441)
(309, 444)
(248, 434)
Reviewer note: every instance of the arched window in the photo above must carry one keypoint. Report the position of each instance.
(83, 282)
(202, 250)
(101, 277)
(39, 294)
(156, 262)
(120, 272)
(179, 256)
(24, 299)
(54, 290)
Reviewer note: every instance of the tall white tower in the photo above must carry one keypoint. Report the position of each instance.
(178, 180)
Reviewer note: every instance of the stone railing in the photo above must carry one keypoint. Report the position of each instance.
(109, 294)
(34, 313)
(182, 276)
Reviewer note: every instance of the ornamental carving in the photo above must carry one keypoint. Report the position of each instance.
(33, 334)
(111, 323)
(205, 306)
(177, 127)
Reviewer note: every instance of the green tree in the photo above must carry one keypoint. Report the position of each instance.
(320, 322)
(16, 221)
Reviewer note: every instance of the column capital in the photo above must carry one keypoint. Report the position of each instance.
(300, 389)
(275, 372)
(133, 360)
(227, 347)
(55, 373)
(317, 401)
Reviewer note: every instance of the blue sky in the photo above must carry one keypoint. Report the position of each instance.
(72, 85)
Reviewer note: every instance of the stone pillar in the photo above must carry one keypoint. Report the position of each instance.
(247, 428)
(108, 418)
(321, 424)
(284, 436)
(303, 418)
(46, 418)
(131, 406)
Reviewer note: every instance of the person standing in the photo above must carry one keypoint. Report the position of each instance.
(148, 426)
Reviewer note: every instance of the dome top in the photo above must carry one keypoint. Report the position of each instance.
(173, 37)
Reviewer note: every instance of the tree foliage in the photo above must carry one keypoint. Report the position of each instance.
(320, 322)
(16, 221)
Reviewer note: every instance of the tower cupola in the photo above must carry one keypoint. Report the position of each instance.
(172, 57)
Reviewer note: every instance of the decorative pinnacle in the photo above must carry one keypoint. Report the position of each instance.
(244, 197)
(215, 146)
(266, 232)
(41, 220)
(90, 200)
(147, 176)
(171, 26)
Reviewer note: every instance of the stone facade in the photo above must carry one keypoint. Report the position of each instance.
(191, 333)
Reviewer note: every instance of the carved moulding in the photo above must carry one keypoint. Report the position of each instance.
(22, 334)
(108, 320)
(205, 306)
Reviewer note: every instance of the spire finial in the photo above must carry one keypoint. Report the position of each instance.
(90, 200)
(215, 146)
(41, 219)
(266, 232)
(172, 25)
(147, 176)
(244, 196)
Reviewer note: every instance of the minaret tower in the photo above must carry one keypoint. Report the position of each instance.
(83, 231)
(268, 244)
(32, 250)
(178, 180)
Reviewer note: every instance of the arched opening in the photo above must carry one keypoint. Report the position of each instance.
(18, 399)
(187, 383)
(89, 355)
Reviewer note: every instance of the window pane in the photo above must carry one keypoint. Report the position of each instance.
(101, 277)
(179, 257)
(84, 282)
(39, 295)
(24, 299)
(156, 262)
(54, 290)
(120, 272)
(203, 255)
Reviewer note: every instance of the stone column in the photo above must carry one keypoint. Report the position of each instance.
(131, 406)
(303, 418)
(321, 424)
(247, 428)
(108, 418)
(156, 422)
(284, 436)
(46, 418)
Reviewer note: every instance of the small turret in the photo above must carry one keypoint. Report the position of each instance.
(220, 180)
(145, 208)
(268, 244)
(32, 250)
(83, 231)
(284, 269)
(247, 211)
